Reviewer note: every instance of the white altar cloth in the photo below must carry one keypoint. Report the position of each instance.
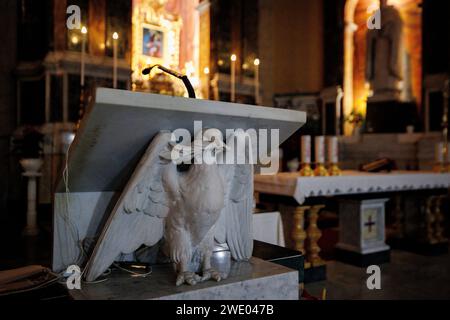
(350, 182)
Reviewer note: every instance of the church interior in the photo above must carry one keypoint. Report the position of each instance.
(358, 206)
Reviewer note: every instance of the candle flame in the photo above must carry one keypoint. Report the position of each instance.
(84, 30)
(233, 57)
(115, 36)
(206, 70)
(256, 62)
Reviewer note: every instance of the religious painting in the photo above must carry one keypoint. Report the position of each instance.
(156, 40)
(152, 42)
(369, 220)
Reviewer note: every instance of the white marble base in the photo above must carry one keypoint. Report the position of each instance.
(362, 226)
(252, 280)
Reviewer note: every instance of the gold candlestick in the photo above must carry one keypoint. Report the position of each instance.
(320, 170)
(334, 170)
(306, 170)
(440, 162)
(333, 156)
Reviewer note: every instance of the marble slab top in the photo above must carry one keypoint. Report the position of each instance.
(253, 279)
(119, 124)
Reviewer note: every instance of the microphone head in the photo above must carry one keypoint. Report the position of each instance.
(148, 69)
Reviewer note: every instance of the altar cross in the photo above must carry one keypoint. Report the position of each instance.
(369, 223)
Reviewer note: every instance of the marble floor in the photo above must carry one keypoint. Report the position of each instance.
(407, 276)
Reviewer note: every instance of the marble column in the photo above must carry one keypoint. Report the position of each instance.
(204, 46)
(31, 167)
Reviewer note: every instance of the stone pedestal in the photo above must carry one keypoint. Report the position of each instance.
(31, 167)
(252, 280)
(362, 232)
(401, 115)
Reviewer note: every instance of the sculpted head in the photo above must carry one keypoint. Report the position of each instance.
(210, 143)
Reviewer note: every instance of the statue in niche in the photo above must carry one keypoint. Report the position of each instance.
(387, 62)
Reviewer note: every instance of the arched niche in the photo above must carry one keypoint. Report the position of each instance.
(356, 14)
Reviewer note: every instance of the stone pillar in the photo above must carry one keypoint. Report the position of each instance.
(31, 167)
(204, 44)
(266, 50)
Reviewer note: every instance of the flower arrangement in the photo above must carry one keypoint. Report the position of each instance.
(356, 119)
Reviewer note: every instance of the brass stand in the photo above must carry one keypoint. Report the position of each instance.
(313, 235)
(306, 170)
(298, 232)
(320, 170)
(334, 170)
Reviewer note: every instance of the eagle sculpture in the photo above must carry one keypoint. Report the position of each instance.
(191, 209)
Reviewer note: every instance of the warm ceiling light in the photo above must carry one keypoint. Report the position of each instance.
(206, 70)
(115, 36)
(256, 62)
(233, 57)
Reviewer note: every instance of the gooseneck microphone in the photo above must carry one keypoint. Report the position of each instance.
(178, 75)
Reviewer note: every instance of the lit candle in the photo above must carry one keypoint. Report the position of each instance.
(115, 38)
(83, 53)
(306, 149)
(333, 150)
(257, 98)
(233, 77)
(319, 143)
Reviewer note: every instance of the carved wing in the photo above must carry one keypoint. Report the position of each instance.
(138, 216)
(235, 223)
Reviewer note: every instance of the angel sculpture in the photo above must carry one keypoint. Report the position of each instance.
(189, 209)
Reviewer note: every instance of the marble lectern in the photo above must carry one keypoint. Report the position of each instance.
(113, 136)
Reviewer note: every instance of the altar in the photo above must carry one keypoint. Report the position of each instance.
(294, 192)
